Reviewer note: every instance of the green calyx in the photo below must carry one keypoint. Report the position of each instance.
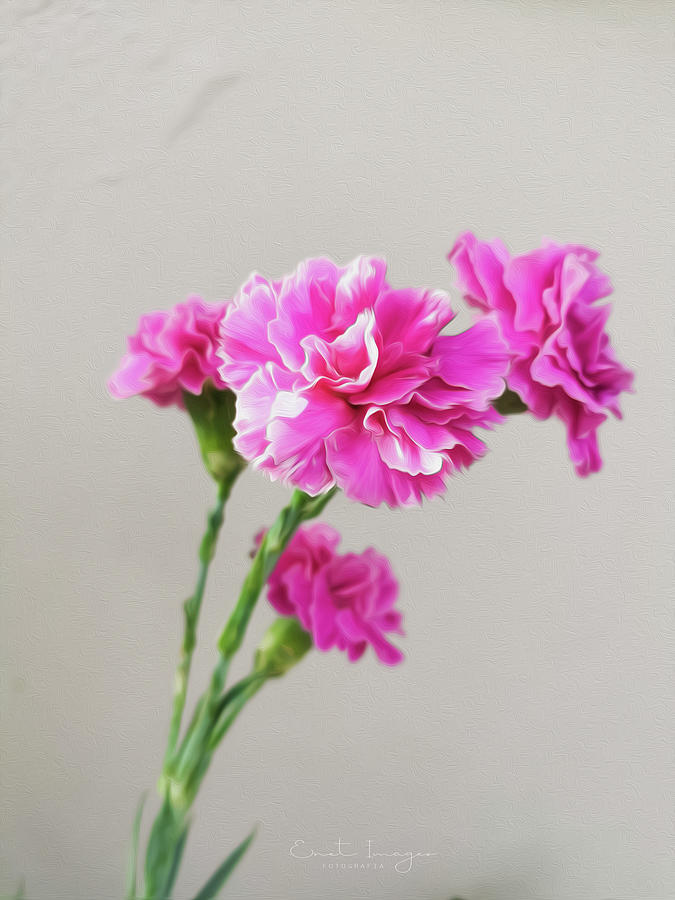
(284, 644)
(212, 413)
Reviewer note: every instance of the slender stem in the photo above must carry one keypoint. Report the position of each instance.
(195, 739)
(226, 711)
(191, 609)
(301, 508)
(233, 704)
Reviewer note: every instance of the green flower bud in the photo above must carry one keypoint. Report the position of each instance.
(284, 644)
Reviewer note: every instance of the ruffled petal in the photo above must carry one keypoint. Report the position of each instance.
(347, 363)
(305, 307)
(297, 429)
(245, 346)
(476, 360)
(413, 318)
(561, 359)
(172, 351)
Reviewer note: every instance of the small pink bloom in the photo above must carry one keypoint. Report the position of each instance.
(341, 379)
(344, 601)
(172, 351)
(562, 362)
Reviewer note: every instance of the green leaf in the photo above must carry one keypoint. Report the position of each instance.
(133, 852)
(223, 872)
(175, 863)
(164, 851)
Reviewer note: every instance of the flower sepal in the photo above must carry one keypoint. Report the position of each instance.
(212, 413)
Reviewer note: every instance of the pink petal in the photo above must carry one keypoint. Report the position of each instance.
(305, 307)
(245, 345)
(347, 363)
(359, 286)
(412, 317)
(476, 360)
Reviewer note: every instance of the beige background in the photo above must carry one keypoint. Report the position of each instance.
(154, 149)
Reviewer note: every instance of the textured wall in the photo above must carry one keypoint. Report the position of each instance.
(154, 149)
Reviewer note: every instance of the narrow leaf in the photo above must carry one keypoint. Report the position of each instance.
(132, 884)
(175, 863)
(223, 872)
(167, 839)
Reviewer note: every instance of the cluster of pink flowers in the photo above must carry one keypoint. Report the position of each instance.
(342, 380)
(342, 600)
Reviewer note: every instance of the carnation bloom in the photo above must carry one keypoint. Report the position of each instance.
(562, 361)
(172, 351)
(344, 601)
(341, 379)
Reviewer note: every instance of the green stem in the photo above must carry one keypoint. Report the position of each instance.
(191, 609)
(301, 508)
(169, 831)
(189, 759)
(224, 714)
(191, 751)
(233, 702)
(283, 646)
(215, 712)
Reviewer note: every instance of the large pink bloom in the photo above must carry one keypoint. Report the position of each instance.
(344, 601)
(344, 380)
(562, 361)
(172, 351)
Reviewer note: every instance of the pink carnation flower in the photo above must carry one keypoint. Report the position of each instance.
(172, 352)
(344, 601)
(344, 380)
(562, 361)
